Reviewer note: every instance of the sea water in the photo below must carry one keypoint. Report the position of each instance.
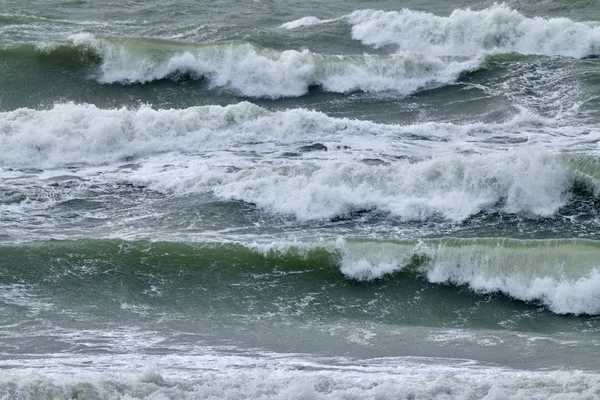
(314, 200)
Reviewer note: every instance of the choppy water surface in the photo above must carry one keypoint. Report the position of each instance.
(315, 200)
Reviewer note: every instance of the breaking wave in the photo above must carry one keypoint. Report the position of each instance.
(83, 133)
(311, 166)
(564, 275)
(466, 32)
(454, 188)
(258, 72)
(561, 274)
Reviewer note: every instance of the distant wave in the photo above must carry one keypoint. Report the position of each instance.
(257, 72)
(466, 32)
(305, 21)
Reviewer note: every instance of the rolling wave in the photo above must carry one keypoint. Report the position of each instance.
(563, 275)
(256, 72)
(453, 188)
(246, 69)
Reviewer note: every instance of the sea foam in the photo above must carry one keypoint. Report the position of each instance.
(83, 133)
(281, 376)
(452, 187)
(466, 32)
(213, 149)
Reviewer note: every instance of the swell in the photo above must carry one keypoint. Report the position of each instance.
(562, 275)
(57, 53)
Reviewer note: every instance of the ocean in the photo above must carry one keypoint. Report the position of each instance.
(274, 199)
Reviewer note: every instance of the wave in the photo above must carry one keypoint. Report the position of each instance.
(453, 188)
(563, 274)
(257, 72)
(466, 32)
(309, 166)
(72, 133)
(304, 21)
(64, 53)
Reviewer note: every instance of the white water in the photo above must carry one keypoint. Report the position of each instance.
(72, 133)
(466, 32)
(453, 187)
(278, 376)
(255, 72)
(562, 275)
(241, 152)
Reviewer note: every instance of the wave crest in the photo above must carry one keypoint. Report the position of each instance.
(563, 275)
(498, 29)
(453, 188)
(256, 72)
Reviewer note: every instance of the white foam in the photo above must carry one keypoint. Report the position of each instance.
(305, 21)
(452, 187)
(566, 283)
(497, 29)
(368, 260)
(256, 72)
(200, 145)
(72, 133)
(288, 377)
(560, 295)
